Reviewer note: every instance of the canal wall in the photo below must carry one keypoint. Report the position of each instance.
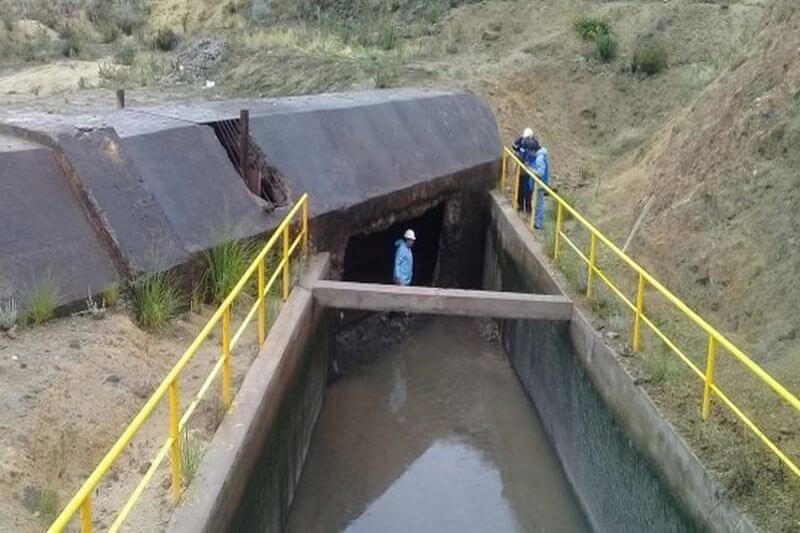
(247, 479)
(628, 467)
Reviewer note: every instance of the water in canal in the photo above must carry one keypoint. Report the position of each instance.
(437, 435)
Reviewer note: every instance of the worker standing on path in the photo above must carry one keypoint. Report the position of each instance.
(404, 259)
(523, 146)
(540, 165)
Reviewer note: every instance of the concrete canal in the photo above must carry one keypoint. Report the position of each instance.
(435, 435)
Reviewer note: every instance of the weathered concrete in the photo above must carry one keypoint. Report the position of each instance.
(258, 450)
(554, 361)
(46, 233)
(158, 188)
(436, 301)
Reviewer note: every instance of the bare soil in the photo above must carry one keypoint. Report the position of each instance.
(70, 388)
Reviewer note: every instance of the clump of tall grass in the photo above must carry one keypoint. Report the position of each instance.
(8, 314)
(111, 294)
(662, 366)
(589, 27)
(606, 47)
(191, 455)
(165, 39)
(43, 300)
(226, 264)
(649, 58)
(156, 299)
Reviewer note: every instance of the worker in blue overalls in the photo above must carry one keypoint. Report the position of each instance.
(539, 163)
(404, 259)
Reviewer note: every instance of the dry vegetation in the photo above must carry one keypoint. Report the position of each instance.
(692, 104)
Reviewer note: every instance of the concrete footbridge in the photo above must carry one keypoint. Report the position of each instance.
(343, 420)
(438, 301)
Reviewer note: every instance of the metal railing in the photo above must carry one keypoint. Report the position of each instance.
(170, 385)
(636, 306)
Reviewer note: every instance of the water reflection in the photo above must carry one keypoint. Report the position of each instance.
(437, 435)
(449, 488)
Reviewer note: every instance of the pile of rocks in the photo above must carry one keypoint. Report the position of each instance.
(198, 60)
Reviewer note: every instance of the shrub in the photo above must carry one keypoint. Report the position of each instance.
(8, 314)
(589, 28)
(129, 18)
(125, 56)
(606, 47)
(226, 263)
(166, 39)
(111, 294)
(71, 42)
(387, 38)
(156, 300)
(649, 58)
(191, 455)
(44, 299)
(109, 33)
(259, 13)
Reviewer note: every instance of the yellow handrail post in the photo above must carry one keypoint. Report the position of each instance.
(534, 198)
(286, 262)
(86, 515)
(515, 200)
(227, 378)
(711, 359)
(503, 170)
(262, 308)
(637, 320)
(305, 228)
(592, 262)
(175, 434)
(559, 220)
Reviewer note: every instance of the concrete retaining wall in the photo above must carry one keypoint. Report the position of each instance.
(628, 466)
(247, 478)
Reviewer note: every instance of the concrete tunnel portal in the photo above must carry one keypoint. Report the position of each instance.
(368, 257)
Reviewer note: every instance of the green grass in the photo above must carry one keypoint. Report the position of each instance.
(590, 28)
(662, 366)
(226, 263)
(606, 47)
(125, 55)
(649, 58)
(156, 300)
(48, 505)
(111, 294)
(44, 299)
(191, 455)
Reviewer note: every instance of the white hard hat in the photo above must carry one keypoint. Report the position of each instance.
(409, 234)
(527, 133)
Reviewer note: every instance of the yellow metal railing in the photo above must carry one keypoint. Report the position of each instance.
(83, 498)
(636, 306)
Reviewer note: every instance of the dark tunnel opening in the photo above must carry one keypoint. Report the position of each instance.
(369, 257)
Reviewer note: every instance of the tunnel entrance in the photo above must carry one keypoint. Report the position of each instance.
(369, 257)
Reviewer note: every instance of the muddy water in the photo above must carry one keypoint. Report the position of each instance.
(437, 435)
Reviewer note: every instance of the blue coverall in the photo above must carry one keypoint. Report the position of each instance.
(403, 263)
(540, 165)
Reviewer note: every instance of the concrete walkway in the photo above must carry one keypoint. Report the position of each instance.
(436, 301)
